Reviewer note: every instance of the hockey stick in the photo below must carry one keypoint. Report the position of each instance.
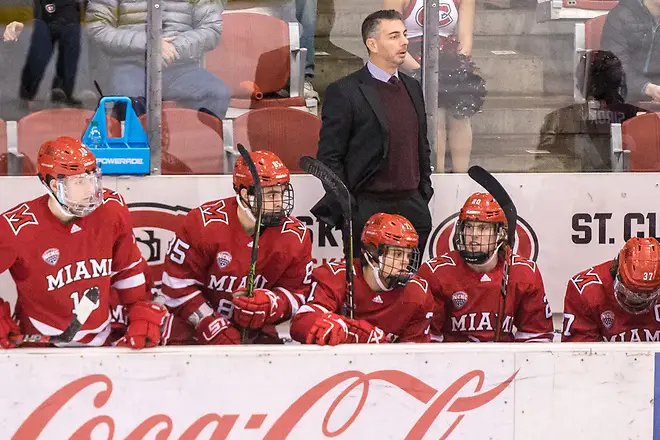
(255, 241)
(333, 183)
(495, 188)
(87, 304)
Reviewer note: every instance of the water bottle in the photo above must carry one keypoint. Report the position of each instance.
(95, 136)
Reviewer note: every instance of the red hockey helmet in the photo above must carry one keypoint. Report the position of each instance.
(637, 284)
(64, 156)
(73, 166)
(395, 240)
(270, 168)
(480, 228)
(277, 192)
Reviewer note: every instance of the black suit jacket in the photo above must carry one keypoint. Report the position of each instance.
(354, 137)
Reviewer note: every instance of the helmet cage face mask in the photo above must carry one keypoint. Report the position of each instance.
(395, 264)
(81, 194)
(631, 301)
(277, 203)
(476, 241)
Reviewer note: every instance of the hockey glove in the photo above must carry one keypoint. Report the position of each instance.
(216, 330)
(328, 329)
(144, 322)
(8, 326)
(264, 307)
(361, 332)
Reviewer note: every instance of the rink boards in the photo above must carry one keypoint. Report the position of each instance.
(428, 391)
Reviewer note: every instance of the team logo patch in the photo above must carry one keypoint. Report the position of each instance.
(223, 259)
(50, 8)
(607, 318)
(459, 299)
(583, 279)
(51, 256)
(19, 217)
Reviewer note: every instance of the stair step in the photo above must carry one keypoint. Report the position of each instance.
(347, 21)
(503, 115)
(515, 74)
(495, 68)
(516, 153)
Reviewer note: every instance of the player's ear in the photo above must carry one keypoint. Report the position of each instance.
(52, 184)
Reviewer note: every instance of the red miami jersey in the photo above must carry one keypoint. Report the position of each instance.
(209, 259)
(592, 313)
(53, 264)
(403, 313)
(467, 302)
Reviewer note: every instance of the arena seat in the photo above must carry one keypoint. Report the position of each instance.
(192, 142)
(287, 132)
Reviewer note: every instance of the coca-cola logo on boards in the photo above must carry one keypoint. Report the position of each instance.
(161, 425)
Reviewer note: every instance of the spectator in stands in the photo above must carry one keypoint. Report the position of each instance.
(374, 134)
(578, 136)
(457, 99)
(630, 33)
(190, 29)
(55, 21)
(306, 16)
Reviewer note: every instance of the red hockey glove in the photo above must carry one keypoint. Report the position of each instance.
(265, 307)
(144, 321)
(216, 330)
(8, 326)
(328, 329)
(361, 332)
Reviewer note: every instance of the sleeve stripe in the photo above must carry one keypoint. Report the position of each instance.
(312, 308)
(539, 340)
(176, 302)
(524, 335)
(129, 283)
(294, 304)
(126, 268)
(178, 283)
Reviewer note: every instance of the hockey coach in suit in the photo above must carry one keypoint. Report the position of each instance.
(374, 136)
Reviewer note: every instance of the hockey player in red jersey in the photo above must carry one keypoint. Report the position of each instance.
(466, 283)
(616, 301)
(391, 304)
(59, 245)
(206, 267)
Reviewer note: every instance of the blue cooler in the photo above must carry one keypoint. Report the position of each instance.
(129, 154)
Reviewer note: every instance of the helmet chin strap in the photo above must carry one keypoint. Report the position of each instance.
(246, 209)
(59, 205)
(376, 273)
(490, 259)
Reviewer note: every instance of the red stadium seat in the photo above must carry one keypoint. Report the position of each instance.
(587, 37)
(641, 136)
(287, 132)
(192, 142)
(598, 5)
(37, 128)
(593, 32)
(261, 49)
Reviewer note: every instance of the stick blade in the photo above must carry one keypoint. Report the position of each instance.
(495, 188)
(87, 304)
(329, 179)
(306, 163)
